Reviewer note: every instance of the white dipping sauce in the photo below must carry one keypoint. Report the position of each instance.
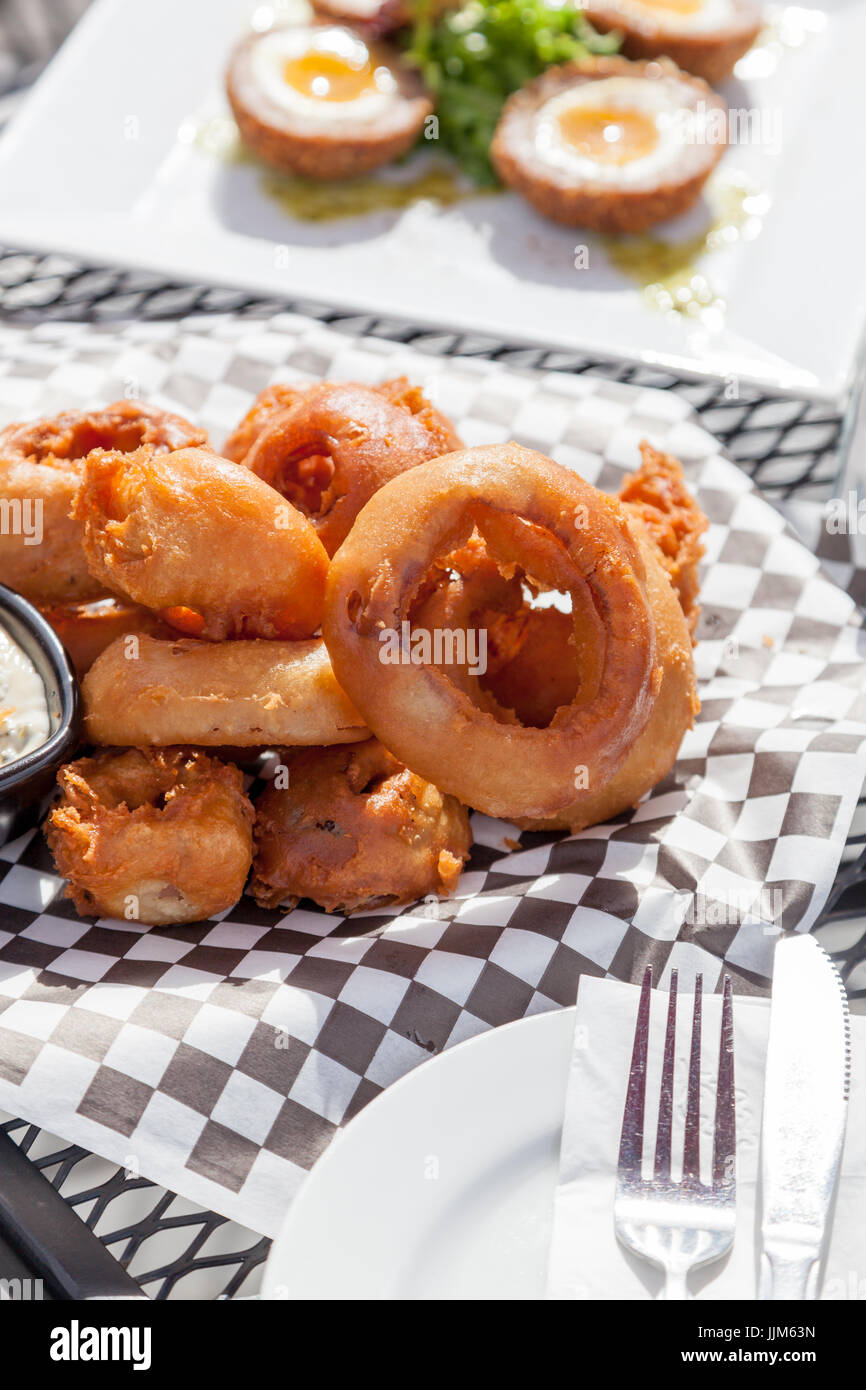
(24, 722)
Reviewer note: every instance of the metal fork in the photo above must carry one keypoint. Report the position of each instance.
(677, 1224)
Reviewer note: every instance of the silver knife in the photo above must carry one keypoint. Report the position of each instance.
(805, 1109)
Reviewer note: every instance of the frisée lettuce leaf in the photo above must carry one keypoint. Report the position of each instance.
(473, 58)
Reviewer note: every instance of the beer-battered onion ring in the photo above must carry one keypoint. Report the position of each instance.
(41, 465)
(355, 830)
(674, 707)
(336, 444)
(242, 694)
(542, 673)
(532, 665)
(568, 537)
(531, 657)
(202, 541)
(86, 629)
(533, 669)
(266, 404)
(657, 495)
(153, 835)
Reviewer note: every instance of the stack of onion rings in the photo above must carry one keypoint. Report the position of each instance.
(586, 605)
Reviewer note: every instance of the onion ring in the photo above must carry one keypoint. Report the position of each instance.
(568, 537)
(532, 659)
(335, 445)
(676, 703)
(266, 404)
(203, 541)
(86, 629)
(355, 830)
(151, 835)
(532, 665)
(42, 462)
(658, 496)
(242, 694)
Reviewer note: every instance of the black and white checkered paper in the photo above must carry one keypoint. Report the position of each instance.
(220, 1059)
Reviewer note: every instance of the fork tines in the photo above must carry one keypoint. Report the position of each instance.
(682, 1224)
(631, 1151)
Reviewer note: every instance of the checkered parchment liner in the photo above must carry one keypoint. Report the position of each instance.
(221, 1059)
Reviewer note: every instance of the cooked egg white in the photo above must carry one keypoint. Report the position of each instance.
(622, 132)
(354, 10)
(326, 73)
(680, 16)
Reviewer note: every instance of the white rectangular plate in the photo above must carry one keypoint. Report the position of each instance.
(94, 166)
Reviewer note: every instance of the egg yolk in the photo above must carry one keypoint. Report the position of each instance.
(674, 6)
(609, 137)
(330, 77)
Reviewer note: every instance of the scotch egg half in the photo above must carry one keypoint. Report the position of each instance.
(376, 17)
(705, 37)
(608, 144)
(323, 101)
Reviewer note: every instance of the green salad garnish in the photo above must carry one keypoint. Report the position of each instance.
(475, 57)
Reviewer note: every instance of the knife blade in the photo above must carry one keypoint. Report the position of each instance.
(805, 1110)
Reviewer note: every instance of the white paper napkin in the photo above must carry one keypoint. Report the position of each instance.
(586, 1259)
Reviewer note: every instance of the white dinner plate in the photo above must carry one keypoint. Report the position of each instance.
(442, 1188)
(103, 163)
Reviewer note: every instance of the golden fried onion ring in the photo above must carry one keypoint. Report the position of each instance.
(674, 707)
(533, 665)
(657, 495)
(242, 694)
(266, 404)
(532, 660)
(86, 629)
(203, 541)
(568, 537)
(152, 835)
(41, 462)
(355, 830)
(336, 444)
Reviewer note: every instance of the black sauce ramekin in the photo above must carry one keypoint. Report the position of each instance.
(26, 780)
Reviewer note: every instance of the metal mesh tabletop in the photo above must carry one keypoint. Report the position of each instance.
(789, 447)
